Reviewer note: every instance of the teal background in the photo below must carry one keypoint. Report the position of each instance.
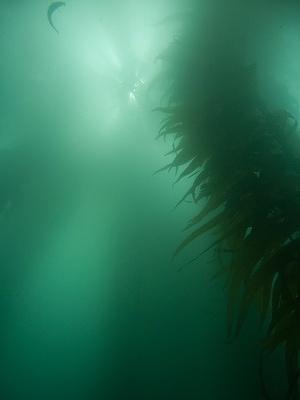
(92, 305)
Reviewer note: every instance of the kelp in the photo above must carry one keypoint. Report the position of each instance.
(244, 158)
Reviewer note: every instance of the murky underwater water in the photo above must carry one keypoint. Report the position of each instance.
(92, 305)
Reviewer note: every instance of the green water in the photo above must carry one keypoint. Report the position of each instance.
(92, 305)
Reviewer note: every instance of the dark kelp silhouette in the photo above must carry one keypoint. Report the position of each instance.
(244, 158)
(52, 8)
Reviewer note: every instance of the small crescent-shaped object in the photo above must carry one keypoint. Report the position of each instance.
(51, 9)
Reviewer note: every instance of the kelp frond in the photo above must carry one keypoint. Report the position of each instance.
(246, 167)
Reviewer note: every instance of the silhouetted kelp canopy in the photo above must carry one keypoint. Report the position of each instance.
(243, 155)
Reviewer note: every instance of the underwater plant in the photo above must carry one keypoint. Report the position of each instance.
(244, 160)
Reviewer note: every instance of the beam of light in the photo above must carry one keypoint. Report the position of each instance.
(132, 98)
(111, 65)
